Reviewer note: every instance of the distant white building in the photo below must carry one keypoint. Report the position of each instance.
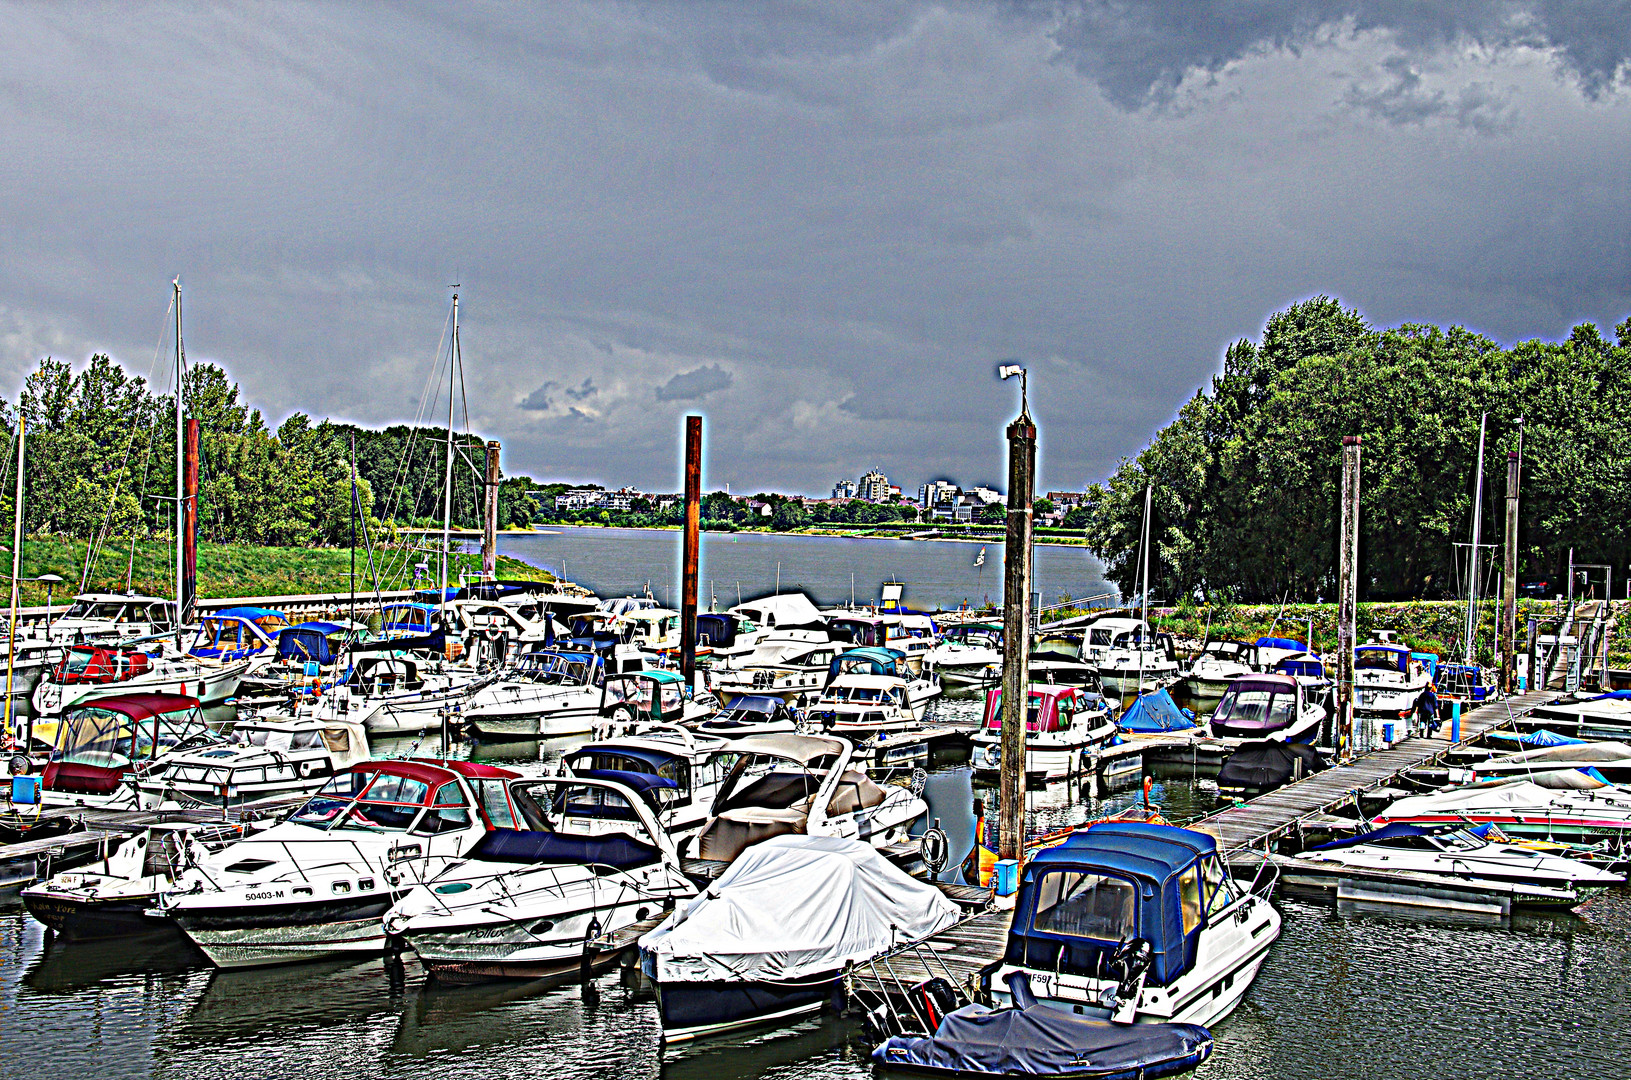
(873, 487)
(982, 495)
(935, 492)
(844, 489)
(580, 499)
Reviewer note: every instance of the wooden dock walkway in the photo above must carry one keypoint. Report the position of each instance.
(1258, 823)
(958, 953)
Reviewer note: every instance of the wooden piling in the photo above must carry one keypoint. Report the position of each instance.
(1347, 594)
(489, 521)
(1509, 582)
(1016, 634)
(693, 546)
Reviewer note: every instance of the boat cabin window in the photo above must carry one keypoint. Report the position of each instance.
(1189, 898)
(337, 740)
(1377, 661)
(1099, 637)
(1220, 887)
(1257, 707)
(1084, 904)
(490, 790)
(449, 812)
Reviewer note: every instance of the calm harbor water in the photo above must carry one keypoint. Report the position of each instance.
(938, 574)
(1345, 994)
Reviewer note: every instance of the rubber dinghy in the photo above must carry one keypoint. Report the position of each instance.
(1030, 1039)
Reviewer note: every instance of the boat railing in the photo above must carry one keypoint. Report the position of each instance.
(900, 991)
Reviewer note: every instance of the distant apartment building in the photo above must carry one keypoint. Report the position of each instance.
(580, 499)
(935, 492)
(982, 495)
(1066, 500)
(873, 487)
(844, 489)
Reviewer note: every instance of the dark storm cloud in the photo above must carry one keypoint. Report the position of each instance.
(696, 384)
(846, 212)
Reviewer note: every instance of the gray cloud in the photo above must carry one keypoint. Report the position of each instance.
(852, 211)
(695, 384)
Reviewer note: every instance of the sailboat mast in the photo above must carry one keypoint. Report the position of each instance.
(1146, 553)
(447, 480)
(1472, 563)
(16, 572)
(181, 494)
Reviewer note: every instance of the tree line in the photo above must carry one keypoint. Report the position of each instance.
(100, 464)
(1246, 479)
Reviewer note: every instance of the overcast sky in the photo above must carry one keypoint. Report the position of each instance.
(820, 225)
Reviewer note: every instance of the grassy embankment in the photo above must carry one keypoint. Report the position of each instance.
(1425, 625)
(223, 569)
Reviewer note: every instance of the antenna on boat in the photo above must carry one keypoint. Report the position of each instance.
(1477, 522)
(447, 483)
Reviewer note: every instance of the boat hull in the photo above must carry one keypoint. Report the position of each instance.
(264, 935)
(695, 1010)
(78, 918)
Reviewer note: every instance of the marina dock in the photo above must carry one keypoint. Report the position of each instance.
(1255, 825)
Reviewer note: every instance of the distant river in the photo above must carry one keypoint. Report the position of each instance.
(938, 574)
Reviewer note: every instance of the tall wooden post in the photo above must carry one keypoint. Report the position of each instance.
(693, 547)
(1509, 582)
(489, 521)
(1347, 594)
(189, 523)
(1016, 634)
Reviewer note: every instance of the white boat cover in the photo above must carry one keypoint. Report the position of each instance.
(1609, 802)
(793, 906)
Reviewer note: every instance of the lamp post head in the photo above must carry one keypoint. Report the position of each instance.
(1008, 371)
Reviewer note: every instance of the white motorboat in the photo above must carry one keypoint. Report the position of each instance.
(769, 940)
(101, 748)
(1609, 760)
(87, 673)
(260, 758)
(319, 882)
(307, 655)
(588, 857)
(1060, 723)
(680, 771)
(110, 898)
(1219, 663)
(801, 784)
(1388, 681)
(392, 695)
(969, 655)
(1524, 808)
(792, 671)
(545, 694)
(1272, 707)
(864, 706)
(785, 618)
(751, 714)
(1135, 922)
(1477, 854)
(631, 699)
(1138, 660)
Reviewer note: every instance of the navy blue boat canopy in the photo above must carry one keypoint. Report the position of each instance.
(1108, 884)
(308, 641)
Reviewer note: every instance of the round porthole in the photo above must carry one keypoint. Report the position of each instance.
(453, 887)
(543, 926)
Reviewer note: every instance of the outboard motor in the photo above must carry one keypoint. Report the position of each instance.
(1128, 965)
(1019, 985)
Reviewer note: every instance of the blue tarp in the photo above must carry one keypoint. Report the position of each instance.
(1038, 1040)
(526, 846)
(1544, 737)
(1386, 832)
(1155, 711)
(1614, 695)
(1280, 643)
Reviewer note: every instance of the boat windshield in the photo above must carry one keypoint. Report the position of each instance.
(865, 694)
(637, 694)
(107, 739)
(1084, 904)
(380, 802)
(1256, 708)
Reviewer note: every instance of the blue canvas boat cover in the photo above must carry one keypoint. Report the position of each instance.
(1043, 1041)
(1386, 832)
(1280, 643)
(1543, 737)
(1155, 711)
(1614, 695)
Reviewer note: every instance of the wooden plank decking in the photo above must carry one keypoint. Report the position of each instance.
(1258, 823)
